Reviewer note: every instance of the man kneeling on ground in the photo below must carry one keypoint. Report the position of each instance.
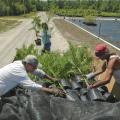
(16, 73)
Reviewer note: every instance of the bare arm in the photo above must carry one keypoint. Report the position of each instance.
(108, 75)
(102, 69)
(48, 90)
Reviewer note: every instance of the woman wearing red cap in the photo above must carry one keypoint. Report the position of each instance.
(111, 66)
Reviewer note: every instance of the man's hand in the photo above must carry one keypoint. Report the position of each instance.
(59, 92)
(90, 76)
(54, 91)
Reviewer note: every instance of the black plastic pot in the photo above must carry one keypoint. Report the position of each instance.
(95, 95)
(75, 85)
(101, 90)
(65, 84)
(104, 88)
(83, 98)
(109, 97)
(38, 42)
(83, 91)
(78, 80)
(72, 95)
(89, 23)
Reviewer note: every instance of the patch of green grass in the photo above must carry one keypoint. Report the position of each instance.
(7, 24)
(29, 15)
(90, 19)
(109, 14)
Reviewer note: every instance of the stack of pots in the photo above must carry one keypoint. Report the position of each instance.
(76, 90)
(70, 93)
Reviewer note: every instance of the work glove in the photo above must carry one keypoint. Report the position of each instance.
(90, 75)
(89, 87)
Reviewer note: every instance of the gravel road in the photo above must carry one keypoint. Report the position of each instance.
(15, 38)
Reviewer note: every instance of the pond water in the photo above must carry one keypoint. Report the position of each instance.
(109, 30)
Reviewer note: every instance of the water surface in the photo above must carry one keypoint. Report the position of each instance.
(109, 30)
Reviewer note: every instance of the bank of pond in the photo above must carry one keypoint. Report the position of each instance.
(107, 29)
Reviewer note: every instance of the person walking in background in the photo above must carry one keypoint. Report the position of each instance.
(16, 74)
(45, 37)
(111, 66)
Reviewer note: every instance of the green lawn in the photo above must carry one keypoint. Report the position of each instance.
(6, 24)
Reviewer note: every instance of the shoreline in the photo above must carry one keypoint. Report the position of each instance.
(97, 18)
(99, 38)
(75, 34)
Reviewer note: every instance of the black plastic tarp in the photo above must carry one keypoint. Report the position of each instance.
(44, 107)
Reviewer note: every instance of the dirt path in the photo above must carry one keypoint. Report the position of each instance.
(59, 43)
(15, 38)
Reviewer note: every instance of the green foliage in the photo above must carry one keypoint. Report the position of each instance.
(30, 15)
(90, 19)
(6, 24)
(77, 60)
(16, 7)
(109, 14)
(36, 23)
(25, 50)
(76, 12)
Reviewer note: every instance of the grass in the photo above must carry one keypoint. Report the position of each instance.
(90, 20)
(7, 24)
(28, 15)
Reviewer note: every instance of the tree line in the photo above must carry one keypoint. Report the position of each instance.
(17, 7)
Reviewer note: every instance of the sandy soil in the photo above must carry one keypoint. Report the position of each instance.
(15, 38)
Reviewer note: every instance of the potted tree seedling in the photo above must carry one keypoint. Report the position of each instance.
(37, 26)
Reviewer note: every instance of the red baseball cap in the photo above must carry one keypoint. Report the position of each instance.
(100, 48)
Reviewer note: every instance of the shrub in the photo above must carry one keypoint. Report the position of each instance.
(90, 20)
(77, 60)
